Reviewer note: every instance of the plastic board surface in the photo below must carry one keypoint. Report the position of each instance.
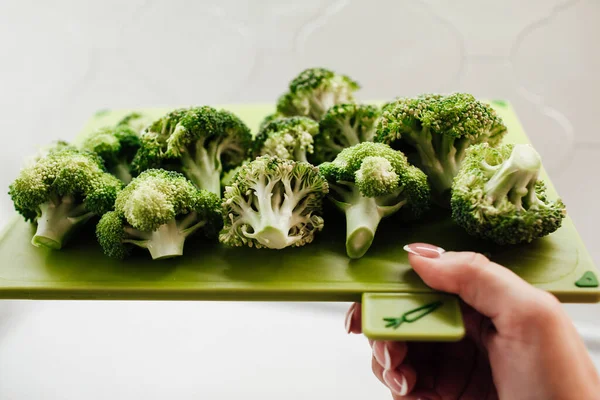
(320, 271)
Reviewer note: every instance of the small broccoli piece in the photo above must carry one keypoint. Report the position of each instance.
(136, 121)
(314, 91)
(116, 146)
(288, 138)
(438, 129)
(498, 195)
(62, 191)
(200, 142)
(344, 125)
(370, 181)
(157, 211)
(273, 203)
(229, 176)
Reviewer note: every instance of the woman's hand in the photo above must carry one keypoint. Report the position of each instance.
(520, 343)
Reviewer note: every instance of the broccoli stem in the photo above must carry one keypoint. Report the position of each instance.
(58, 220)
(122, 171)
(362, 218)
(515, 179)
(202, 171)
(168, 239)
(300, 154)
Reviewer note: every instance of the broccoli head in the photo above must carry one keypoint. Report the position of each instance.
(436, 130)
(288, 138)
(498, 195)
(157, 211)
(200, 142)
(344, 125)
(62, 191)
(273, 203)
(370, 181)
(116, 146)
(314, 91)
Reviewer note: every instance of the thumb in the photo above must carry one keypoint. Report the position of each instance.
(491, 289)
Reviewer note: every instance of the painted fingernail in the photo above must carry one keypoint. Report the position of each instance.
(396, 382)
(349, 316)
(424, 250)
(382, 355)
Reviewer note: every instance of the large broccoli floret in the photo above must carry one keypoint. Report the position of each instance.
(498, 195)
(288, 138)
(200, 142)
(344, 125)
(371, 181)
(314, 91)
(157, 211)
(438, 129)
(273, 203)
(116, 146)
(62, 191)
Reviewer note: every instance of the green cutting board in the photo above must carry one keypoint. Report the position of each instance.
(320, 271)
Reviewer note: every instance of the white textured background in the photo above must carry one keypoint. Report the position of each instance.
(60, 61)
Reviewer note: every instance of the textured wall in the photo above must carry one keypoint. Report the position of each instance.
(63, 60)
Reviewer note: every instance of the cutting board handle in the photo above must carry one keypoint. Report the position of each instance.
(412, 317)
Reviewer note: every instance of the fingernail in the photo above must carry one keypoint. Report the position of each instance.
(382, 355)
(396, 382)
(424, 250)
(349, 316)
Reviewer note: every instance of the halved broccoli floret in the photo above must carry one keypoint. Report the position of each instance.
(157, 211)
(342, 126)
(437, 130)
(498, 195)
(371, 181)
(273, 203)
(116, 146)
(62, 191)
(288, 138)
(200, 142)
(314, 91)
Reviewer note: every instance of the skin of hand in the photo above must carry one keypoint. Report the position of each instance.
(520, 343)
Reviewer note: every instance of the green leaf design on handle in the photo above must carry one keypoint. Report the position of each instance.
(412, 315)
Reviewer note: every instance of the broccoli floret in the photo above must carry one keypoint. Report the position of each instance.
(273, 203)
(498, 195)
(371, 181)
(157, 211)
(200, 142)
(314, 91)
(288, 138)
(436, 130)
(116, 146)
(62, 191)
(344, 125)
(136, 121)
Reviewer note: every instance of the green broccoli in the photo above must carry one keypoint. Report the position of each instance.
(273, 203)
(136, 121)
(62, 191)
(370, 181)
(436, 130)
(157, 211)
(288, 138)
(314, 91)
(116, 146)
(498, 195)
(344, 125)
(200, 142)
